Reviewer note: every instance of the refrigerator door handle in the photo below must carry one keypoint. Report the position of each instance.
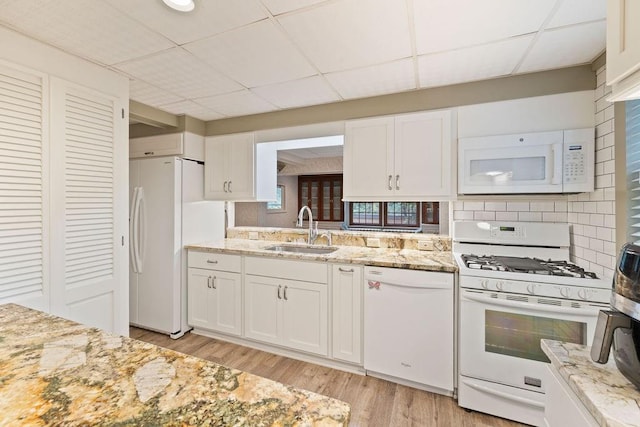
(142, 230)
(133, 229)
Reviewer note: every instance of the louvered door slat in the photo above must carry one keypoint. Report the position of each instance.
(21, 189)
(89, 226)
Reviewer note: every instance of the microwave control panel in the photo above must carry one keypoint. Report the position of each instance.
(578, 161)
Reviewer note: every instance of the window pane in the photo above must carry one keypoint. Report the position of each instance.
(519, 335)
(402, 214)
(337, 200)
(278, 204)
(365, 213)
(632, 124)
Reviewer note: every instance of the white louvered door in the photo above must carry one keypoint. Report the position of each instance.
(23, 187)
(89, 205)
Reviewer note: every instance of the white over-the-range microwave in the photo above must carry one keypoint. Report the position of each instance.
(529, 163)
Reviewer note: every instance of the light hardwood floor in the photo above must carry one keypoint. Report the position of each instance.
(374, 402)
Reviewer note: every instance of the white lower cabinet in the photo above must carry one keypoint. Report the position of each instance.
(346, 304)
(562, 407)
(214, 297)
(282, 309)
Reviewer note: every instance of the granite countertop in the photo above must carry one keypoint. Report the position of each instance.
(381, 257)
(610, 398)
(58, 372)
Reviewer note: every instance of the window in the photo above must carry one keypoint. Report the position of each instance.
(400, 215)
(323, 194)
(632, 126)
(278, 205)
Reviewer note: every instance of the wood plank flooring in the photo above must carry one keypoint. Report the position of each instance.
(374, 402)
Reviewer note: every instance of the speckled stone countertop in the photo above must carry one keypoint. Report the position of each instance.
(382, 257)
(610, 398)
(57, 372)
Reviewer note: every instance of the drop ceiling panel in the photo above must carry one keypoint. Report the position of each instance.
(297, 93)
(489, 61)
(255, 55)
(192, 109)
(93, 30)
(177, 71)
(450, 24)
(576, 11)
(347, 34)
(276, 7)
(237, 104)
(397, 76)
(208, 18)
(566, 46)
(151, 95)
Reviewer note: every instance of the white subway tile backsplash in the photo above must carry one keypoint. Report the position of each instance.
(554, 217)
(495, 206)
(560, 206)
(597, 220)
(517, 206)
(473, 206)
(590, 207)
(596, 245)
(590, 255)
(462, 215)
(484, 216)
(605, 207)
(530, 216)
(606, 234)
(589, 231)
(541, 206)
(506, 216)
(604, 181)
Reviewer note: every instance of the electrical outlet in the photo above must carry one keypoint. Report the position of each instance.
(373, 242)
(425, 245)
(253, 235)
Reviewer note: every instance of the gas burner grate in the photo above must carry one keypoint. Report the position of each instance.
(527, 265)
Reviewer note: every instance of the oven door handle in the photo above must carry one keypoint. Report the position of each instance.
(503, 395)
(534, 307)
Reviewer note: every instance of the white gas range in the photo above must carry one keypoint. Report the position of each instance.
(517, 286)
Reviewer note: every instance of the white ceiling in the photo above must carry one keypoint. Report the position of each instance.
(237, 57)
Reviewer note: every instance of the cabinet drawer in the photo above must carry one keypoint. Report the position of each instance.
(215, 261)
(287, 269)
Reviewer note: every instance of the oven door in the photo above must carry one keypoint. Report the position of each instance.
(500, 334)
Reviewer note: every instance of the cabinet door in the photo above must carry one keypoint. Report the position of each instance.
(563, 408)
(240, 160)
(368, 159)
(89, 206)
(347, 312)
(261, 308)
(304, 316)
(229, 169)
(422, 157)
(157, 145)
(215, 172)
(623, 39)
(201, 298)
(24, 187)
(227, 310)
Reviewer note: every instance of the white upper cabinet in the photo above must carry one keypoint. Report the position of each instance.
(623, 48)
(183, 144)
(401, 158)
(236, 168)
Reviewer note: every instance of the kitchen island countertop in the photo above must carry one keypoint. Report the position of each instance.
(58, 372)
(380, 257)
(610, 398)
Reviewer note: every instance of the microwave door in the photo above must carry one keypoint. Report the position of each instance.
(511, 170)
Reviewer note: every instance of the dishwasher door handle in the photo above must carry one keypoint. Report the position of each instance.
(374, 284)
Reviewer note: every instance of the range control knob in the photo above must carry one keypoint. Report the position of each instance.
(531, 288)
(564, 292)
(583, 294)
(485, 284)
(499, 285)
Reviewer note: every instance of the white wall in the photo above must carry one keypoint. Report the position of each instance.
(592, 215)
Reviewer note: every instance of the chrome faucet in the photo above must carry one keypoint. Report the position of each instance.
(313, 233)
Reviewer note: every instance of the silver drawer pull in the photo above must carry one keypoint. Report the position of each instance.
(279, 287)
(149, 153)
(212, 261)
(345, 270)
(209, 282)
(285, 294)
(213, 282)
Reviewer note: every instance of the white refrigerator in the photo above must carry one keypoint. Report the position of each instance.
(166, 212)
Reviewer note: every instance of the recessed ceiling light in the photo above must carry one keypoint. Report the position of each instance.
(180, 5)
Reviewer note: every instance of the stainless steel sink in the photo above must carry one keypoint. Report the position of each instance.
(320, 250)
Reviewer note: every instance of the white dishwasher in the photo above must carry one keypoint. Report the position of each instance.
(409, 327)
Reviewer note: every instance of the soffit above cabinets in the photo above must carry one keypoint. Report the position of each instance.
(235, 58)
